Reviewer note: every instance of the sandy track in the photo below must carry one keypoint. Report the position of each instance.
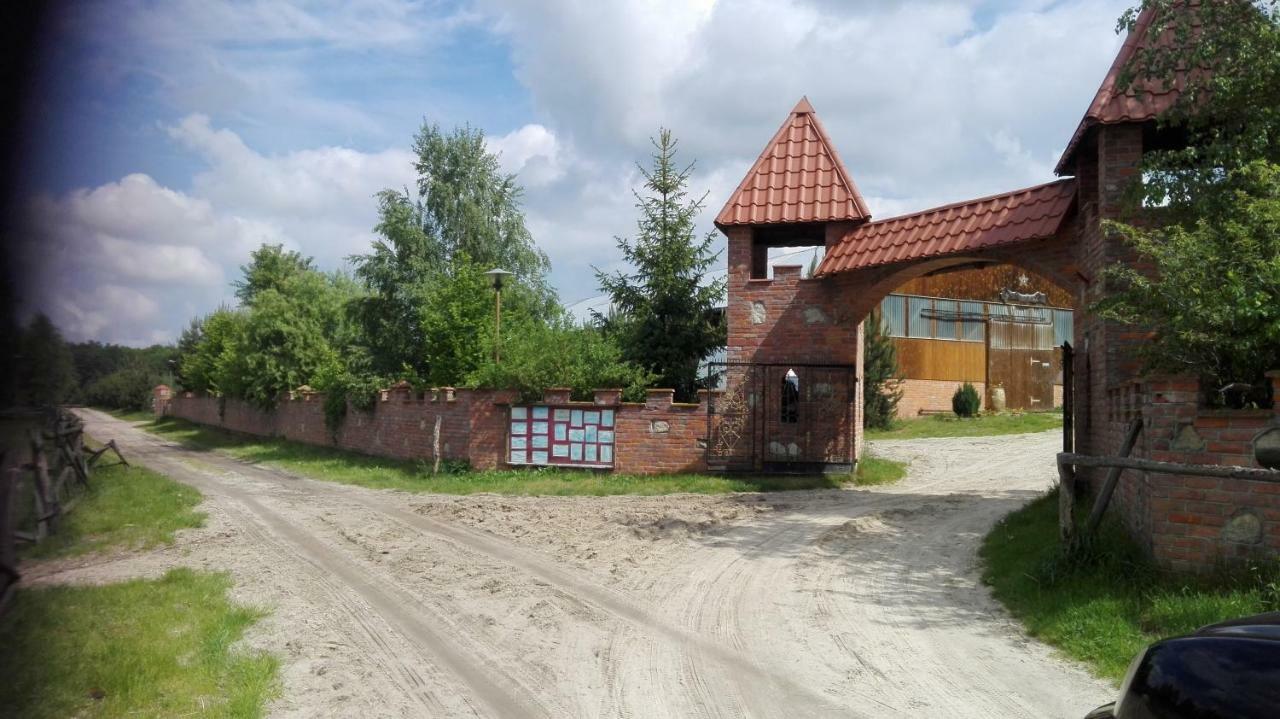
(833, 603)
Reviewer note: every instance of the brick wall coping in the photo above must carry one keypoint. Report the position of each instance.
(1239, 413)
(683, 406)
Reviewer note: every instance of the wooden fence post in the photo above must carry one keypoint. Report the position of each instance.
(435, 446)
(47, 509)
(1113, 477)
(1068, 398)
(1066, 502)
(8, 541)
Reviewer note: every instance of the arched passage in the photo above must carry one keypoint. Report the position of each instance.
(788, 319)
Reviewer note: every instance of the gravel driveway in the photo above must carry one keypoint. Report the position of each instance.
(850, 603)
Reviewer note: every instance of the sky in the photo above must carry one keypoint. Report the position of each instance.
(173, 137)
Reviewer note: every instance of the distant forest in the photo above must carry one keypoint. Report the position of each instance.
(47, 370)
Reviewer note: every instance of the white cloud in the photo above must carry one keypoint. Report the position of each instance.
(322, 199)
(927, 102)
(131, 260)
(532, 152)
(115, 262)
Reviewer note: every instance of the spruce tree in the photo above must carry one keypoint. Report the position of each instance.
(664, 312)
(880, 393)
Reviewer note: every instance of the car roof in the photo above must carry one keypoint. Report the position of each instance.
(1258, 626)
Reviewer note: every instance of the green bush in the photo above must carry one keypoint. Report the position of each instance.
(128, 389)
(881, 390)
(560, 354)
(966, 402)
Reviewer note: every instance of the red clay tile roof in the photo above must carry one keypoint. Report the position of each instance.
(798, 178)
(957, 229)
(1141, 102)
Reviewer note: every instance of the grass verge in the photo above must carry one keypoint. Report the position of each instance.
(125, 507)
(874, 471)
(947, 425)
(335, 465)
(130, 415)
(1103, 606)
(139, 648)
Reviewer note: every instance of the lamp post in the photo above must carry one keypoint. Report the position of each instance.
(496, 278)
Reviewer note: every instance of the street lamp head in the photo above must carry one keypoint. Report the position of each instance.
(497, 277)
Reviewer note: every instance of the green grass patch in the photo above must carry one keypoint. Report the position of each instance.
(125, 507)
(1104, 605)
(129, 415)
(874, 471)
(949, 425)
(336, 465)
(156, 648)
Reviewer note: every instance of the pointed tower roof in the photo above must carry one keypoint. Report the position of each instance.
(798, 178)
(1142, 101)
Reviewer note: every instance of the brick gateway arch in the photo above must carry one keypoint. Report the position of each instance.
(798, 193)
(788, 335)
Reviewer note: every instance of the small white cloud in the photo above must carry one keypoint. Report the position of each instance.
(531, 152)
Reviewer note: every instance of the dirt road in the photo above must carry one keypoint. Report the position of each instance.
(834, 603)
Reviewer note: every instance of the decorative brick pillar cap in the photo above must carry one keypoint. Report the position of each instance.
(162, 391)
(557, 395)
(402, 389)
(659, 398)
(608, 396)
(449, 393)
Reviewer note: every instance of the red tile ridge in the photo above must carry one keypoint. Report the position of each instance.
(812, 163)
(968, 203)
(1108, 107)
(956, 228)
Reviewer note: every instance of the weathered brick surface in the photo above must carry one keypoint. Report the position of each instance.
(401, 424)
(927, 396)
(658, 436)
(1188, 521)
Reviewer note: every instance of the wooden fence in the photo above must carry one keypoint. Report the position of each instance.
(53, 481)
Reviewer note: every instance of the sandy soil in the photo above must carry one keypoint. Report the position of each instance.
(854, 603)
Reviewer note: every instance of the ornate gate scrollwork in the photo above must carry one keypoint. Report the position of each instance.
(780, 417)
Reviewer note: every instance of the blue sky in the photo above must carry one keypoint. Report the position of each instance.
(176, 136)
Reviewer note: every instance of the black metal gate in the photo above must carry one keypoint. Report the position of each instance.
(780, 417)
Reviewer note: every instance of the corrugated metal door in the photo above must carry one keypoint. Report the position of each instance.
(1020, 356)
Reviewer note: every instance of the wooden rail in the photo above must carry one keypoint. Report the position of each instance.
(58, 474)
(1068, 462)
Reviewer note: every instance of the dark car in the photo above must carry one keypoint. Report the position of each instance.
(1223, 671)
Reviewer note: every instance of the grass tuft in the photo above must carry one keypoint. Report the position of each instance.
(125, 507)
(873, 471)
(336, 465)
(987, 425)
(146, 647)
(1103, 605)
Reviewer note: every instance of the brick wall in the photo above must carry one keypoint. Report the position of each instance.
(1196, 523)
(791, 319)
(654, 437)
(926, 396)
(401, 424)
(661, 436)
(932, 396)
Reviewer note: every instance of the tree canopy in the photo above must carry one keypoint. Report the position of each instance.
(416, 307)
(1206, 217)
(665, 314)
